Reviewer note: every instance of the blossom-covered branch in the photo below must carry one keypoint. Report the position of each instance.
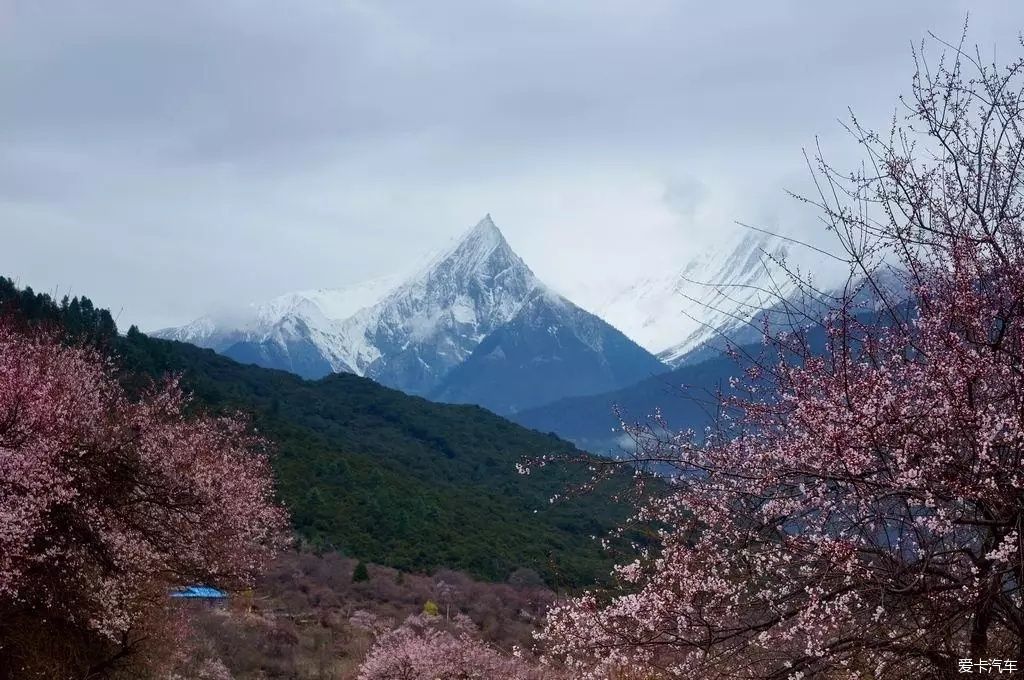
(858, 508)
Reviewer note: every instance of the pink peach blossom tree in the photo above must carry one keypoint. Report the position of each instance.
(109, 501)
(858, 508)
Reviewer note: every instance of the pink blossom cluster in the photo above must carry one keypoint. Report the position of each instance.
(108, 501)
(424, 647)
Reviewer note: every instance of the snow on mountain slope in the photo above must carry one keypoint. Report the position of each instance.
(549, 350)
(334, 303)
(431, 323)
(716, 292)
(199, 332)
(268, 333)
(406, 336)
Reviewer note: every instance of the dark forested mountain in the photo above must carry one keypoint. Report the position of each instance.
(371, 471)
(685, 396)
(474, 326)
(550, 349)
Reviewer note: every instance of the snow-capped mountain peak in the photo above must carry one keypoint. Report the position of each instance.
(433, 321)
(479, 243)
(385, 328)
(195, 332)
(412, 335)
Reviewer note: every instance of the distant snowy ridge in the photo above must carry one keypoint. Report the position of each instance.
(412, 333)
(717, 292)
(311, 315)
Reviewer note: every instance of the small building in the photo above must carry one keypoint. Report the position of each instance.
(199, 593)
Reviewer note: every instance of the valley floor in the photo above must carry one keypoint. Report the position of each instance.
(308, 619)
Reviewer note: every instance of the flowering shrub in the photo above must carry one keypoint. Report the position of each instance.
(857, 511)
(106, 502)
(423, 648)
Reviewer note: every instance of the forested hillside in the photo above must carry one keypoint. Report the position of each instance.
(370, 471)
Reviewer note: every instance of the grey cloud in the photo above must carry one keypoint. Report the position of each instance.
(200, 153)
(684, 195)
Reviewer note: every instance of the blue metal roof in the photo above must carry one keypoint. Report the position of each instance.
(205, 592)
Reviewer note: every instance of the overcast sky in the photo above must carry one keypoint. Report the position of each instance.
(166, 158)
